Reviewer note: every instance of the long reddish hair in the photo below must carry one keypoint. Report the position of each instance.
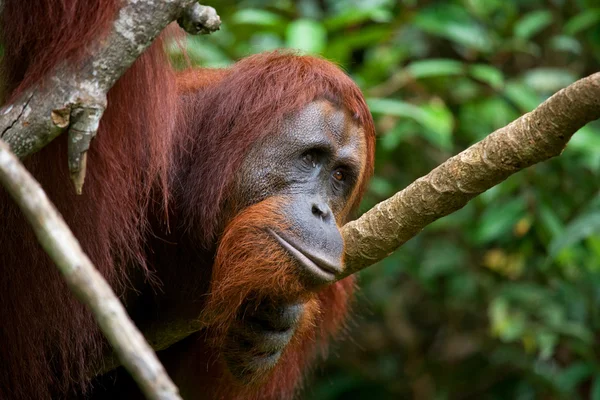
(248, 103)
(50, 343)
(235, 109)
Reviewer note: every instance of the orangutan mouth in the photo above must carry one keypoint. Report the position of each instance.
(316, 265)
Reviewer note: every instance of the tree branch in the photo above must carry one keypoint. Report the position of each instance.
(536, 136)
(84, 280)
(74, 95)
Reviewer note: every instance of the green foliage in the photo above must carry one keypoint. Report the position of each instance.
(501, 299)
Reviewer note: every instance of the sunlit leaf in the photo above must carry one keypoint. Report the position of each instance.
(506, 324)
(546, 341)
(253, 16)
(488, 74)
(523, 96)
(582, 21)
(354, 16)
(306, 35)
(548, 80)
(577, 230)
(454, 23)
(434, 67)
(532, 23)
(498, 221)
(439, 122)
(435, 118)
(586, 143)
(394, 107)
(567, 44)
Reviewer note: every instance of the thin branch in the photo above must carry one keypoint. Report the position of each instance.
(74, 95)
(84, 280)
(535, 137)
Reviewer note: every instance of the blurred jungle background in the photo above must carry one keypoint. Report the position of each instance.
(500, 300)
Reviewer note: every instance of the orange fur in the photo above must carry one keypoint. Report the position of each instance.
(154, 144)
(194, 79)
(250, 264)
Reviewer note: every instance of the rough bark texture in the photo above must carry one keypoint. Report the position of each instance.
(536, 136)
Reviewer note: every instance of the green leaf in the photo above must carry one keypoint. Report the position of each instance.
(532, 23)
(340, 48)
(403, 129)
(549, 221)
(585, 143)
(306, 35)
(580, 228)
(202, 52)
(506, 324)
(439, 122)
(548, 80)
(252, 16)
(488, 74)
(393, 107)
(381, 187)
(484, 115)
(582, 21)
(571, 377)
(595, 391)
(546, 342)
(567, 44)
(265, 41)
(355, 16)
(442, 260)
(497, 222)
(454, 23)
(523, 96)
(434, 67)
(434, 117)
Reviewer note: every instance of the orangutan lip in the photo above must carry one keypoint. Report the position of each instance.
(323, 269)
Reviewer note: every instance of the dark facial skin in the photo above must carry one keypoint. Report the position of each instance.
(314, 164)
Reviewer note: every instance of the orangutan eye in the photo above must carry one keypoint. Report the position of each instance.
(338, 175)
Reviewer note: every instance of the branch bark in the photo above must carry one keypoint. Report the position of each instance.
(73, 97)
(84, 280)
(535, 137)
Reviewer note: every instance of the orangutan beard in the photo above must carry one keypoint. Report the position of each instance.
(251, 267)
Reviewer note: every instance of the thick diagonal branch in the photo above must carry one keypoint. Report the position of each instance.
(534, 137)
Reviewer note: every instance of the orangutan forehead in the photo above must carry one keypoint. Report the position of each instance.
(323, 120)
